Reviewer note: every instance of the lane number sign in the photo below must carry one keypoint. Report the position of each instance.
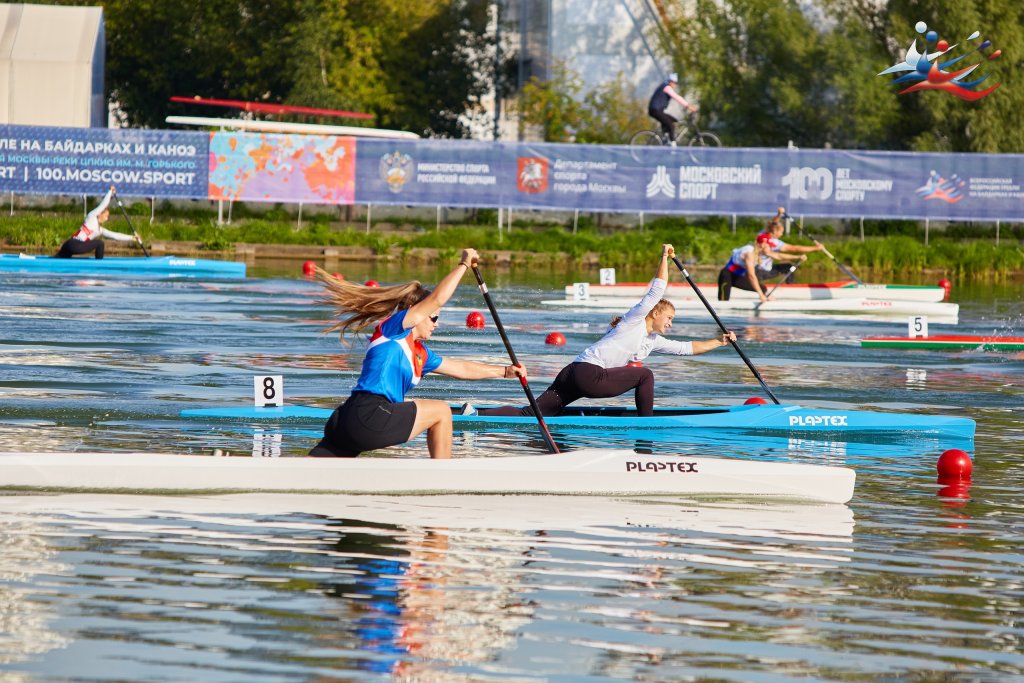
(268, 391)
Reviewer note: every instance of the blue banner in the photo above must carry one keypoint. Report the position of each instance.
(722, 181)
(145, 163)
(611, 178)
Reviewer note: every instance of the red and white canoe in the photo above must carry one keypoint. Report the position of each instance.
(686, 302)
(946, 342)
(841, 289)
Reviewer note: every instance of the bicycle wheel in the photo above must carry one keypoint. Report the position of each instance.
(644, 138)
(705, 139)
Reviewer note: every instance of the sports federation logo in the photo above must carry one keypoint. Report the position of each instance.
(927, 70)
(949, 190)
(396, 170)
(532, 177)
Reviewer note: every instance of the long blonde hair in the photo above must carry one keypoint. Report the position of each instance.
(358, 306)
(658, 308)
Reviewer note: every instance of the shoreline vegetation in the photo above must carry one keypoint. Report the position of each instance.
(888, 248)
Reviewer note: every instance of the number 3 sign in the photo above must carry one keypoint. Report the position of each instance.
(268, 390)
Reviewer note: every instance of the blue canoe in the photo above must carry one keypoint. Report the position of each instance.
(123, 266)
(782, 420)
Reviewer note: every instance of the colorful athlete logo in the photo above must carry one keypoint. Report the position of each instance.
(533, 175)
(937, 187)
(396, 170)
(926, 72)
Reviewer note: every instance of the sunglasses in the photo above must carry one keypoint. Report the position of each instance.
(434, 318)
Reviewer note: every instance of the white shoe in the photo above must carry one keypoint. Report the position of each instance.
(672, 144)
(466, 409)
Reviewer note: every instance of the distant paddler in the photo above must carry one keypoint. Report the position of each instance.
(87, 239)
(751, 265)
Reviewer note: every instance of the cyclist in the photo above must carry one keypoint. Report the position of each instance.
(659, 102)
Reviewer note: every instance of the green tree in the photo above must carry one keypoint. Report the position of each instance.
(160, 48)
(561, 109)
(935, 120)
(767, 72)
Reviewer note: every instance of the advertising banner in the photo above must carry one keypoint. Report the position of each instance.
(272, 167)
(144, 163)
(316, 169)
(720, 181)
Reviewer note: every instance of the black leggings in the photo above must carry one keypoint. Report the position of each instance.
(585, 380)
(72, 247)
(667, 121)
(727, 279)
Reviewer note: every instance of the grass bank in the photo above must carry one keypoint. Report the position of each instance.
(707, 241)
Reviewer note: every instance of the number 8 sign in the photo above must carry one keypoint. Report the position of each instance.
(268, 390)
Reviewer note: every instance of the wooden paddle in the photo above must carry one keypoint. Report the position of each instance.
(125, 212)
(700, 295)
(515, 361)
(825, 251)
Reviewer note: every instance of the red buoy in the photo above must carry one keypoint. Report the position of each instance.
(555, 339)
(309, 268)
(338, 276)
(475, 320)
(954, 465)
(754, 400)
(946, 286)
(635, 364)
(372, 283)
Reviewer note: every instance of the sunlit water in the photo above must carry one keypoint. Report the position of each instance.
(909, 582)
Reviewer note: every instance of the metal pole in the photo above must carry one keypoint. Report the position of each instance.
(12, 202)
(220, 212)
(997, 231)
(231, 205)
(734, 224)
(501, 220)
(575, 218)
(508, 215)
(85, 207)
(642, 227)
(926, 232)
(152, 210)
(438, 227)
(862, 228)
(369, 210)
(300, 216)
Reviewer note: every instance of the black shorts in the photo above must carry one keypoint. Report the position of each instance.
(365, 422)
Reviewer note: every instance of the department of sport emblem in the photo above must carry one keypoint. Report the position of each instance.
(396, 169)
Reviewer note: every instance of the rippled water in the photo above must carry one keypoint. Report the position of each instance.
(909, 582)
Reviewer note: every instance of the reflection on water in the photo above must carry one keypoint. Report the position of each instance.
(406, 586)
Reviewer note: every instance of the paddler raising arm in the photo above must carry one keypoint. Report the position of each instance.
(376, 414)
(609, 367)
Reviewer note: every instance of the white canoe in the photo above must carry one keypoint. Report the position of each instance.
(941, 312)
(598, 472)
(842, 289)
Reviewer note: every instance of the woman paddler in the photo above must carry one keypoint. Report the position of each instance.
(87, 238)
(611, 366)
(376, 414)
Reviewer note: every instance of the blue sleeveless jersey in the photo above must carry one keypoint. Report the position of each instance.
(394, 363)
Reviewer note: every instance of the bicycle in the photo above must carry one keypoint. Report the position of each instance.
(686, 135)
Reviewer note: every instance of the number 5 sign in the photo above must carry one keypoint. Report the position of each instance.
(268, 390)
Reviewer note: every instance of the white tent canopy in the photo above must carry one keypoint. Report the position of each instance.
(52, 63)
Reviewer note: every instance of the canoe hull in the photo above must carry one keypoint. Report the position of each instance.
(947, 342)
(595, 472)
(123, 266)
(947, 312)
(767, 419)
(843, 289)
